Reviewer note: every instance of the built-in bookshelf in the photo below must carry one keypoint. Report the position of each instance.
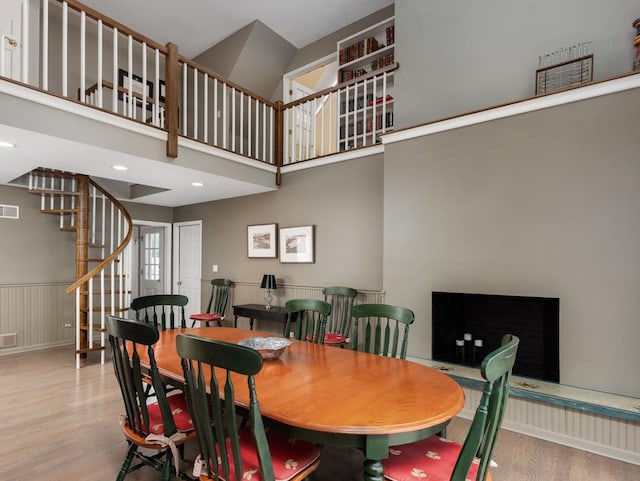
(366, 51)
(366, 67)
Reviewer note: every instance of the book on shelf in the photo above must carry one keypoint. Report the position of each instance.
(357, 50)
(391, 32)
(388, 122)
(358, 103)
(351, 74)
(379, 100)
(358, 128)
(383, 61)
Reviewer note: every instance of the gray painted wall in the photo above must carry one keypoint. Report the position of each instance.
(328, 45)
(32, 249)
(458, 56)
(343, 201)
(148, 212)
(222, 57)
(255, 58)
(541, 204)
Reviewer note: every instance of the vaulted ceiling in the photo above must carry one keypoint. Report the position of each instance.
(196, 25)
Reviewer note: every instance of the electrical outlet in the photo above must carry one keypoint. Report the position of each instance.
(67, 324)
(215, 267)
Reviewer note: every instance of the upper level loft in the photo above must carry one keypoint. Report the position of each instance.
(81, 92)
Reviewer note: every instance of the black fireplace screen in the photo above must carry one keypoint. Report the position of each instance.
(466, 327)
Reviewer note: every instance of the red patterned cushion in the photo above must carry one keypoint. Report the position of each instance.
(432, 459)
(181, 416)
(289, 456)
(206, 317)
(332, 338)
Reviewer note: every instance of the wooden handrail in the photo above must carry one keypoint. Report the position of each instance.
(109, 259)
(91, 13)
(342, 85)
(212, 74)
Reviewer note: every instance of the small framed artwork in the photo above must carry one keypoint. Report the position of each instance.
(297, 244)
(137, 87)
(163, 94)
(262, 241)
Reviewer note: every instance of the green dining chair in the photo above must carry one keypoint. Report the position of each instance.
(227, 450)
(438, 459)
(310, 317)
(164, 311)
(385, 327)
(217, 303)
(338, 327)
(153, 421)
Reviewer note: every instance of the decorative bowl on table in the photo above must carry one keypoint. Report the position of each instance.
(268, 347)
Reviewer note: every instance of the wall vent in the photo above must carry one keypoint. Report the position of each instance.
(8, 340)
(9, 211)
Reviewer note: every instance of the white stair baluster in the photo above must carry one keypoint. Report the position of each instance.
(83, 48)
(205, 103)
(195, 103)
(45, 45)
(215, 112)
(114, 92)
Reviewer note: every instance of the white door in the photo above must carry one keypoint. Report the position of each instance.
(11, 30)
(302, 132)
(151, 261)
(187, 263)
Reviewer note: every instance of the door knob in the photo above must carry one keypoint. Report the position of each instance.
(11, 41)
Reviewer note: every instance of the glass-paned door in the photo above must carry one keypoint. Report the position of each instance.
(151, 261)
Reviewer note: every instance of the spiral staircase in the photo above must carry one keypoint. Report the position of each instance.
(103, 230)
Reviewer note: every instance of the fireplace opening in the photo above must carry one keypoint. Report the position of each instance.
(466, 327)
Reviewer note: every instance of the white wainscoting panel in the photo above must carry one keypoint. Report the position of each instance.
(37, 313)
(604, 435)
(251, 293)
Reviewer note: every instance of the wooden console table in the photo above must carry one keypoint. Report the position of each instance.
(259, 311)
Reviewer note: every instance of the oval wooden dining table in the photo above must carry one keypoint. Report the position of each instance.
(338, 397)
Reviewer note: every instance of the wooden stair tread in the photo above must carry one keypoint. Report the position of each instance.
(55, 174)
(106, 293)
(68, 228)
(97, 259)
(52, 192)
(95, 328)
(59, 211)
(90, 349)
(107, 309)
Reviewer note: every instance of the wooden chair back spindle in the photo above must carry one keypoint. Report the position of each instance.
(310, 316)
(341, 300)
(223, 442)
(163, 311)
(386, 329)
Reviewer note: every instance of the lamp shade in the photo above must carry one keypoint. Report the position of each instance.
(268, 282)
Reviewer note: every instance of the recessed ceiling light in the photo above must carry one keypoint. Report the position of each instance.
(6, 144)
(120, 167)
(197, 184)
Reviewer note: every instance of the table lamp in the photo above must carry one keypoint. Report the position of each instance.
(268, 283)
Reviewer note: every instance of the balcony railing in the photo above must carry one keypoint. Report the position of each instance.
(77, 53)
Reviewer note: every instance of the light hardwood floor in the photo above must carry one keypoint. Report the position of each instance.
(59, 423)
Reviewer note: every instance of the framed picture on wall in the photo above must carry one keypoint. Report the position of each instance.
(137, 87)
(297, 244)
(262, 241)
